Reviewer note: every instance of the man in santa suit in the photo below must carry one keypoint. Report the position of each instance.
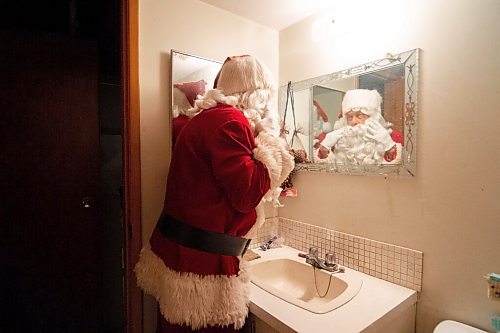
(361, 136)
(227, 161)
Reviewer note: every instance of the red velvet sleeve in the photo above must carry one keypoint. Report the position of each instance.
(397, 137)
(392, 153)
(243, 179)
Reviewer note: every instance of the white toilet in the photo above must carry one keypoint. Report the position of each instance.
(450, 326)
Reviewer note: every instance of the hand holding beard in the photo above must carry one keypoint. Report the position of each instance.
(375, 131)
(330, 140)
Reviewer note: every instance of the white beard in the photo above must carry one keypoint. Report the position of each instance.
(355, 148)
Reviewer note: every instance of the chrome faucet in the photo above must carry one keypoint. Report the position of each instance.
(328, 264)
(268, 244)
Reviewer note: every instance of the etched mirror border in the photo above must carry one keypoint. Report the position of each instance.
(408, 165)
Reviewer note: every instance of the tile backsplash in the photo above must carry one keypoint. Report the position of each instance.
(393, 263)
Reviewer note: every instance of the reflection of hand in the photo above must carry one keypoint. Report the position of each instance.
(377, 132)
(332, 138)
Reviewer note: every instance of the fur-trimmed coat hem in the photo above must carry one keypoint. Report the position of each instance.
(194, 300)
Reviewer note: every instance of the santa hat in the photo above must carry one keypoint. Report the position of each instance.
(241, 74)
(192, 89)
(364, 100)
(326, 126)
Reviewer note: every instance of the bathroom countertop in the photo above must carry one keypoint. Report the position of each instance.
(377, 303)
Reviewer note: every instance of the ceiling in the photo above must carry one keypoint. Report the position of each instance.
(276, 14)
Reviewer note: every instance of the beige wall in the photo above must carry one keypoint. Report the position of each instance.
(451, 209)
(193, 27)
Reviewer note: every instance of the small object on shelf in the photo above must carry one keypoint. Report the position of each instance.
(494, 286)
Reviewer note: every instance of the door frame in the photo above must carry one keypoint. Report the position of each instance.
(131, 162)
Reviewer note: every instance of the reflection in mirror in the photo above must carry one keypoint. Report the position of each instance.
(190, 76)
(361, 120)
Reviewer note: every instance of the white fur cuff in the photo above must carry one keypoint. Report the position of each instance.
(273, 153)
(194, 300)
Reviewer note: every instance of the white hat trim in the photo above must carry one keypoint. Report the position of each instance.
(194, 300)
(366, 101)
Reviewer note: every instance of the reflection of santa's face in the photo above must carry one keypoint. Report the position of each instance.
(354, 118)
(355, 147)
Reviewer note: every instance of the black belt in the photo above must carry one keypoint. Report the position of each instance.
(199, 239)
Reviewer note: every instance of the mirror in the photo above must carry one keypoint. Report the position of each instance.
(190, 76)
(384, 143)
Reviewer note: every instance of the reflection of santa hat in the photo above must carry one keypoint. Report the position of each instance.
(192, 89)
(242, 74)
(366, 101)
(326, 126)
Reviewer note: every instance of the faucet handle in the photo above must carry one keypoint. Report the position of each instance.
(267, 245)
(313, 251)
(330, 259)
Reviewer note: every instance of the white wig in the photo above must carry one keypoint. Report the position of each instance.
(246, 84)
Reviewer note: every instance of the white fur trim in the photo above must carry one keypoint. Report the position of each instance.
(366, 101)
(194, 300)
(399, 153)
(272, 151)
(210, 100)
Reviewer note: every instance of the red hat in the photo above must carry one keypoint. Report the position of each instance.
(192, 89)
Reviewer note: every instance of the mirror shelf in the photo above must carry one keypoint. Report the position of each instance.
(395, 77)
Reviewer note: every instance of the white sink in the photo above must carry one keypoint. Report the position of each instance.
(294, 282)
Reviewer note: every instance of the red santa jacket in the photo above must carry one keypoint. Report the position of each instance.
(214, 184)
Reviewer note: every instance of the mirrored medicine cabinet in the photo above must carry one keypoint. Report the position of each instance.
(309, 109)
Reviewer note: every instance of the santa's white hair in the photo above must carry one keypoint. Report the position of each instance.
(256, 105)
(247, 84)
(355, 148)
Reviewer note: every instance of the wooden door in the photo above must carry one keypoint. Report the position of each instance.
(394, 100)
(49, 246)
